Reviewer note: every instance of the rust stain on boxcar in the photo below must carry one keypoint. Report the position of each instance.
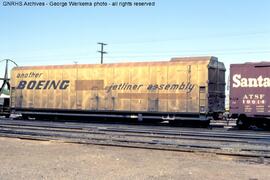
(151, 95)
(82, 85)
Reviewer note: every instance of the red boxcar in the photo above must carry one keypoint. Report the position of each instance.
(250, 94)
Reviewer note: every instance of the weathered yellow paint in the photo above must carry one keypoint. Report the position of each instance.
(98, 87)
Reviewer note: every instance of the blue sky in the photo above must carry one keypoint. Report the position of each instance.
(232, 30)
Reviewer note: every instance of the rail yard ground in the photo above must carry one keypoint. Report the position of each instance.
(28, 159)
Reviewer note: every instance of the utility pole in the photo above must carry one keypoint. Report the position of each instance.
(102, 52)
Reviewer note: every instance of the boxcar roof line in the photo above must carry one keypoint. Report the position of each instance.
(183, 60)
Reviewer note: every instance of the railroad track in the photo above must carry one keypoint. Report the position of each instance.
(244, 144)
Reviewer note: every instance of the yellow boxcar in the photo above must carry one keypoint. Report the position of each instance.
(182, 88)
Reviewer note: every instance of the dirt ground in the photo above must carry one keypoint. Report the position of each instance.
(26, 159)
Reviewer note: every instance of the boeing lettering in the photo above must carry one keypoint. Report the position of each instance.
(50, 84)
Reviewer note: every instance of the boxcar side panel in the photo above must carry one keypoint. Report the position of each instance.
(152, 87)
(250, 89)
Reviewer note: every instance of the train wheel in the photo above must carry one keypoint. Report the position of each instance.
(176, 123)
(268, 126)
(243, 122)
(25, 117)
(205, 124)
(263, 124)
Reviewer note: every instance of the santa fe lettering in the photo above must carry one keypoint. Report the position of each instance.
(239, 81)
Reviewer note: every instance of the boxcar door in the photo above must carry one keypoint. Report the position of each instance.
(202, 99)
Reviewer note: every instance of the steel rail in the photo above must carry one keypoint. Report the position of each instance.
(151, 135)
(247, 153)
(142, 129)
(116, 140)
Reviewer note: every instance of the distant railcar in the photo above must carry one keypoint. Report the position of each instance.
(4, 107)
(250, 94)
(183, 88)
